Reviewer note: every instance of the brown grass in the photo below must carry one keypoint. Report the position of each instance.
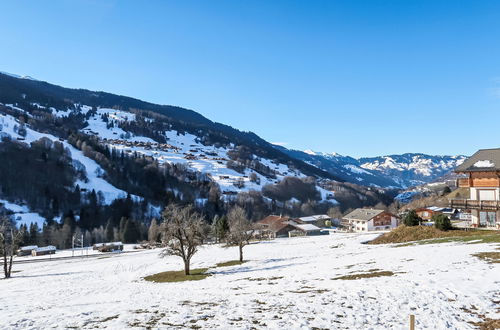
(404, 234)
(364, 275)
(489, 257)
(178, 276)
(230, 263)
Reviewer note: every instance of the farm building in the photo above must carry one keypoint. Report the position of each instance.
(317, 220)
(108, 247)
(41, 251)
(26, 250)
(361, 220)
(275, 226)
(305, 230)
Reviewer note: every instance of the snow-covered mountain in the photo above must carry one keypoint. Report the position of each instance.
(412, 169)
(103, 148)
(397, 171)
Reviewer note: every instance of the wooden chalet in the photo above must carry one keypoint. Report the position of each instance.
(426, 213)
(274, 226)
(481, 174)
(362, 220)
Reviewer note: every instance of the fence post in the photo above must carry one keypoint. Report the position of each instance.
(412, 322)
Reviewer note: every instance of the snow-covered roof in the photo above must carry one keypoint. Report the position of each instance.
(363, 214)
(482, 160)
(307, 227)
(314, 218)
(108, 244)
(45, 248)
(28, 248)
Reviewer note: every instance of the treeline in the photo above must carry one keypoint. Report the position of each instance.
(64, 235)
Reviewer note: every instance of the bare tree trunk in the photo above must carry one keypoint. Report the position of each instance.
(9, 272)
(7, 266)
(186, 267)
(241, 253)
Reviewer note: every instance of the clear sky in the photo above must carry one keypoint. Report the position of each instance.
(361, 78)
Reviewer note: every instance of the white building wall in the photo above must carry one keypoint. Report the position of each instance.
(370, 226)
(474, 193)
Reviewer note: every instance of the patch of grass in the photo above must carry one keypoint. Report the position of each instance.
(230, 263)
(178, 276)
(259, 279)
(489, 257)
(473, 239)
(364, 275)
(310, 291)
(431, 235)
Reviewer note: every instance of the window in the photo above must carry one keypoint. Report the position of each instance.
(486, 195)
(487, 219)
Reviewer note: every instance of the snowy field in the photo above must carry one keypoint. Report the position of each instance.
(287, 284)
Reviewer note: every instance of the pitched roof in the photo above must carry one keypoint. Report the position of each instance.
(307, 227)
(314, 218)
(482, 160)
(363, 214)
(272, 219)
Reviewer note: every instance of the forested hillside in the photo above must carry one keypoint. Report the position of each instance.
(76, 161)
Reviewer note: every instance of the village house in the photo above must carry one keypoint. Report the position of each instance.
(275, 226)
(426, 213)
(481, 174)
(363, 220)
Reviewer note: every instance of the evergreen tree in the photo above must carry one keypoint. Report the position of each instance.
(411, 219)
(441, 222)
(130, 233)
(221, 228)
(34, 233)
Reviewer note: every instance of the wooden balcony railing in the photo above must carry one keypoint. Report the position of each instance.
(474, 204)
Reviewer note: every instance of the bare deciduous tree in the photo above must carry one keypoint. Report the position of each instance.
(182, 232)
(9, 240)
(240, 229)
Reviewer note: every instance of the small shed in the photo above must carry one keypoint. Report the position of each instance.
(41, 251)
(306, 230)
(26, 250)
(110, 247)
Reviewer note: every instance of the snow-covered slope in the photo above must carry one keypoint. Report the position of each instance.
(285, 284)
(182, 148)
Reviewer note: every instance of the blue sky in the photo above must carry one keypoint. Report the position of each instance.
(361, 78)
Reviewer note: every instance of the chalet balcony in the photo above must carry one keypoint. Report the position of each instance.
(474, 204)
